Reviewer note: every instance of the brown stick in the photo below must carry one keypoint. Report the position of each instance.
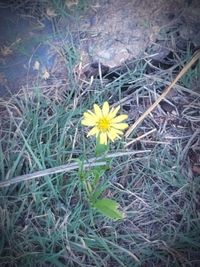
(195, 57)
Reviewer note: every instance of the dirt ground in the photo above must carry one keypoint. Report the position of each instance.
(115, 31)
(35, 35)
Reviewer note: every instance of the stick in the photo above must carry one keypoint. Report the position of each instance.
(195, 57)
(68, 167)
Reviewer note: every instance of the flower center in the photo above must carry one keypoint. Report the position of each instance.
(103, 125)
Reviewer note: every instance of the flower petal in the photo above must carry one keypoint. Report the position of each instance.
(88, 113)
(119, 118)
(113, 112)
(118, 132)
(90, 116)
(120, 126)
(112, 135)
(103, 138)
(105, 109)
(88, 122)
(93, 131)
(97, 111)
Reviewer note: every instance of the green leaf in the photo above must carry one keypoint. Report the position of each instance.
(98, 172)
(98, 191)
(109, 208)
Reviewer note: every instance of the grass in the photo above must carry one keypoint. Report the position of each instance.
(47, 221)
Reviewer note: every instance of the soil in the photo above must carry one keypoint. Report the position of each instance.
(111, 32)
(115, 31)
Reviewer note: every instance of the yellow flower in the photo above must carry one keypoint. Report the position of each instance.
(105, 123)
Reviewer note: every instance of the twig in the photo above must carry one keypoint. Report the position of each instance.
(67, 167)
(176, 86)
(165, 92)
(140, 137)
(55, 170)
